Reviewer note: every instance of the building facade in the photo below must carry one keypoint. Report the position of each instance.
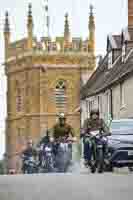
(43, 79)
(110, 86)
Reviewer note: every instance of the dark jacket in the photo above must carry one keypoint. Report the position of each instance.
(61, 131)
(29, 152)
(93, 125)
(44, 140)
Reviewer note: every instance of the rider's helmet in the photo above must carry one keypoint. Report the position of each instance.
(94, 111)
(62, 116)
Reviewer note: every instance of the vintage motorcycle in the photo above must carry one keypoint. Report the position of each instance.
(98, 150)
(64, 154)
(30, 165)
(47, 159)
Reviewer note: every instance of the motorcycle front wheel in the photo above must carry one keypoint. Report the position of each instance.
(100, 160)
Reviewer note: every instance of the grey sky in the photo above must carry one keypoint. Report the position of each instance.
(111, 17)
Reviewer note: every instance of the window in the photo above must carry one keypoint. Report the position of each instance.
(19, 100)
(108, 104)
(110, 60)
(123, 52)
(122, 95)
(91, 105)
(126, 126)
(88, 107)
(60, 96)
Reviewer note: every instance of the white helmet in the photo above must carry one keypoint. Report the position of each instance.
(62, 116)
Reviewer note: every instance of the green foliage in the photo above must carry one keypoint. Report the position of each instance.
(1, 167)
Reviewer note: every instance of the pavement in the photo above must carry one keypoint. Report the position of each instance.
(70, 186)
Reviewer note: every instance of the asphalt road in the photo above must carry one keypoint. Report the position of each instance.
(67, 187)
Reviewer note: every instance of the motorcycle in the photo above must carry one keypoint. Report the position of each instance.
(30, 165)
(64, 154)
(47, 159)
(98, 142)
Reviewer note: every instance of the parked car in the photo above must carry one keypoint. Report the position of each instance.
(121, 144)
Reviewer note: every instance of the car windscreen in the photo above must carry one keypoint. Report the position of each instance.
(122, 127)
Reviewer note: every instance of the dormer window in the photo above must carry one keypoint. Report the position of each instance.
(110, 60)
(123, 52)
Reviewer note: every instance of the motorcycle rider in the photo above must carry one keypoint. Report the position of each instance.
(27, 153)
(93, 123)
(62, 130)
(45, 141)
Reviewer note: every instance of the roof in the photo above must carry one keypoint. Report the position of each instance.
(117, 39)
(95, 79)
(114, 42)
(103, 78)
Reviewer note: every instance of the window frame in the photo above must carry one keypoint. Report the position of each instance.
(19, 100)
(61, 96)
(108, 102)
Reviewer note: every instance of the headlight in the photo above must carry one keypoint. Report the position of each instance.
(109, 153)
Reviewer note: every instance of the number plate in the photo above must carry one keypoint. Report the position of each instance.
(130, 153)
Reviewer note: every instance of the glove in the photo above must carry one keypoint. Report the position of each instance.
(74, 139)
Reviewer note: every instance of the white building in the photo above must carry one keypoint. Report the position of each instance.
(110, 88)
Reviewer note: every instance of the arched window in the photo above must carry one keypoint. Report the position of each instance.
(60, 96)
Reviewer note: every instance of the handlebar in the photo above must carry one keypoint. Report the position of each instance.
(66, 139)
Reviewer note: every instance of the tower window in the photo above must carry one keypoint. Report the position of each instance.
(19, 100)
(60, 96)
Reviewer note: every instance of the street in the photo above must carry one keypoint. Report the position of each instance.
(69, 186)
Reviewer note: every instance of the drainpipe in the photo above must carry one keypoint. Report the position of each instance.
(111, 103)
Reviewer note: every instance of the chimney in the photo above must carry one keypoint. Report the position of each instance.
(130, 14)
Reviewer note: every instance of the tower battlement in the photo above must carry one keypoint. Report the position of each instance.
(60, 44)
(47, 45)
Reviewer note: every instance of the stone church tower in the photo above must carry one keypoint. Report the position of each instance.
(43, 79)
